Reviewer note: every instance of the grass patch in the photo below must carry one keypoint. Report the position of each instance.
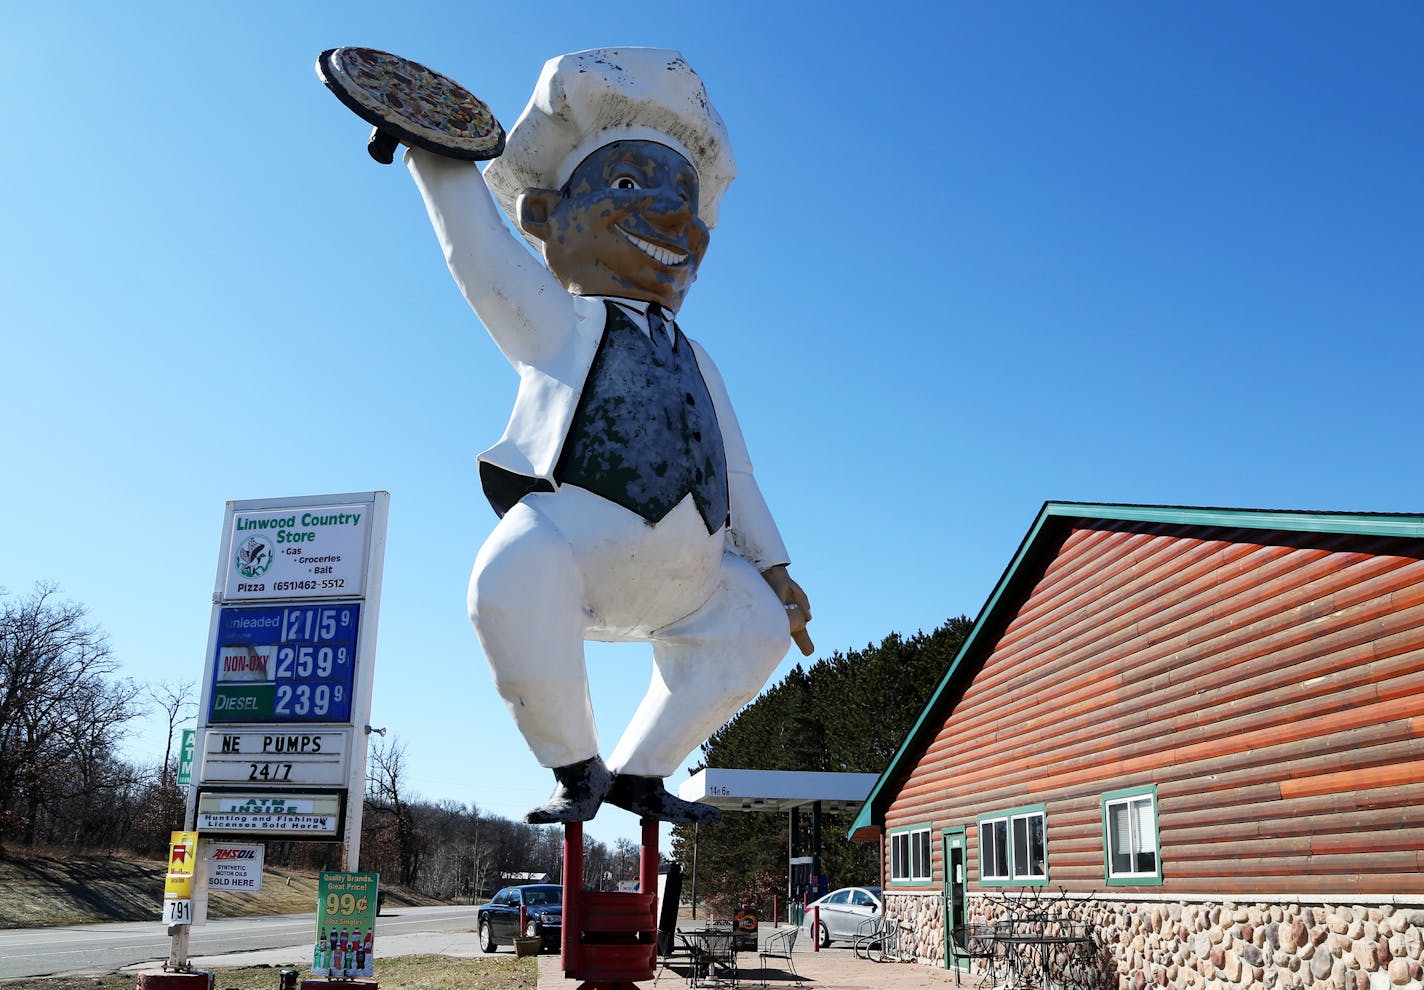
(427, 972)
(43, 890)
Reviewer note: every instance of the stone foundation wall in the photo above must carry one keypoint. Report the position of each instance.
(1221, 945)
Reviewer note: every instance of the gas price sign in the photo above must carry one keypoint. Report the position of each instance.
(285, 664)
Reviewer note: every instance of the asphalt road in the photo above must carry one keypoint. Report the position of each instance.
(99, 949)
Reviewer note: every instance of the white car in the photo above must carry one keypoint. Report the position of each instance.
(844, 914)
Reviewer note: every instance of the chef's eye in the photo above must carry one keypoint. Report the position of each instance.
(626, 182)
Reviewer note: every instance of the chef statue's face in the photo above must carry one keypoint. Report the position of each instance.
(625, 224)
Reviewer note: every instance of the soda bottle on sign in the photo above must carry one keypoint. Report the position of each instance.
(336, 961)
(360, 958)
(331, 949)
(319, 953)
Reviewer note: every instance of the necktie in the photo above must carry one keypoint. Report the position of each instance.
(657, 326)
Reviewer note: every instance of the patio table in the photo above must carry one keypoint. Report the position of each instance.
(1039, 953)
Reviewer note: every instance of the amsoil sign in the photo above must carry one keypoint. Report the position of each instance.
(235, 866)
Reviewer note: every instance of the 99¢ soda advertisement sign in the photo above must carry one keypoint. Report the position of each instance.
(345, 925)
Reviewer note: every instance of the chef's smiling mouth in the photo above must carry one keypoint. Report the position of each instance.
(662, 255)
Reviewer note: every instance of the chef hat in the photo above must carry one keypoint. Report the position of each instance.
(586, 100)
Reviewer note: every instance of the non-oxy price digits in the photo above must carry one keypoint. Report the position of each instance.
(305, 662)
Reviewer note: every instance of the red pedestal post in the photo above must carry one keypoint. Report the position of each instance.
(573, 898)
(162, 979)
(610, 938)
(648, 860)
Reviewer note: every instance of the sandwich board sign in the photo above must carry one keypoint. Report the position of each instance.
(345, 925)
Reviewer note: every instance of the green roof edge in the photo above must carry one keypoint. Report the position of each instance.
(1351, 523)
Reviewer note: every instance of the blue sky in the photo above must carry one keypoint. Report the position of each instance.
(978, 256)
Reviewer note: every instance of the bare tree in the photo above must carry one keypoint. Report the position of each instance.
(627, 856)
(385, 766)
(176, 700)
(58, 713)
(597, 863)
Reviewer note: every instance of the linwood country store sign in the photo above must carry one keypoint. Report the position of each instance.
(1206, 726)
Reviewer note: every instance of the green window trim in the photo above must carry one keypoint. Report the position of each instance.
(912, 834)
(1140, 878)
(1014, 875)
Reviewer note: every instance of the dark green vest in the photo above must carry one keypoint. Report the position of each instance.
(645, 433)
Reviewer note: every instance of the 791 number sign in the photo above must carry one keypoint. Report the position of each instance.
(177, 912)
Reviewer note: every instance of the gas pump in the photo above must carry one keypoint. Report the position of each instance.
(801, 884)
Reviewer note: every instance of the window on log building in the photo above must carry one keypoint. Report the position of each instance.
(1013, 847)
(1130, 837)
(910, 855)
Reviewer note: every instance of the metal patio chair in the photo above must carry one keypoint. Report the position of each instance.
(779, 945)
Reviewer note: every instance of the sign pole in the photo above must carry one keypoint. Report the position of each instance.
(285, 707)
(178, 893)
(365, 680)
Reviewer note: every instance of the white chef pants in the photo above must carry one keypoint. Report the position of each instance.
(569, 566)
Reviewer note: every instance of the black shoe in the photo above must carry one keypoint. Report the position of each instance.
(578, 793)
(647, 798)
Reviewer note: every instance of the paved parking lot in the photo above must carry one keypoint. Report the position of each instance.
(835, 968)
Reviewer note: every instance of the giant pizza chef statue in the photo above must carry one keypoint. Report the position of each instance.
(628, 509)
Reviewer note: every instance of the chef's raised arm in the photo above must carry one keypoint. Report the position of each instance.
(524, 308)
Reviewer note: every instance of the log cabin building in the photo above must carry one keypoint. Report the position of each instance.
(1209, 720)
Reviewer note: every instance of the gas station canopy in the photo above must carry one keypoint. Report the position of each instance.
(778, 790)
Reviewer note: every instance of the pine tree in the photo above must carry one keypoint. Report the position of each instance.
(848, 713)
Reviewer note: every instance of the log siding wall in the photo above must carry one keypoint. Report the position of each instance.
(1268, 684)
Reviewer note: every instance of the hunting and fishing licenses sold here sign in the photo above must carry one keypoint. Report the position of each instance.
(291, 656)
(293, 815)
